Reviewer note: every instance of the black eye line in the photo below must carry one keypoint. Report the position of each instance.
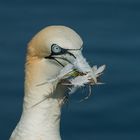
(55, 58)
(63, 59)
(63, 51)
(57, 61)
(71, 54)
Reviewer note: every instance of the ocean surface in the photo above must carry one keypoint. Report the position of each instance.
(111, 33)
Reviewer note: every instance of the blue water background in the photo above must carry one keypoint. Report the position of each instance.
(111, 33)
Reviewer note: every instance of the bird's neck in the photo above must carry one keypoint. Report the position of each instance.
(41, 114)
(39, 123)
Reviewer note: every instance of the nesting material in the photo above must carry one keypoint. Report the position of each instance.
(79, 74)
(79, 79)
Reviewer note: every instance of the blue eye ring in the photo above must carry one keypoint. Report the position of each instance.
(56, 49)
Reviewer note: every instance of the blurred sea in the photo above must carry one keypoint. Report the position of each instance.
(111, 33)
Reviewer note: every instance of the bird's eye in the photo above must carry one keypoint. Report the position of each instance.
(56, 49)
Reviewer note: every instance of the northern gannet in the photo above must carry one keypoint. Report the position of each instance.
(48, 52)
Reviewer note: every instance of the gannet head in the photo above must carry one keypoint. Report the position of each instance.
(54, 47)
(48, 52)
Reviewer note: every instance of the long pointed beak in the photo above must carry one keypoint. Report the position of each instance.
(82, 65)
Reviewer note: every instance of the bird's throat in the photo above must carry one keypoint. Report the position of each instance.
(40, 119)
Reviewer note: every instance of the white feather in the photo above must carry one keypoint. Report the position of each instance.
(79, 81)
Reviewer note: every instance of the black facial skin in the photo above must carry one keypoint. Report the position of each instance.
(57, 50)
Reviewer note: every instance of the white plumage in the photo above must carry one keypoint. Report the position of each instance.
(52, 54)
